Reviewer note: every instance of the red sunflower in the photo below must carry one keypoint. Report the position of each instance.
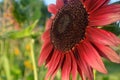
(74, 43)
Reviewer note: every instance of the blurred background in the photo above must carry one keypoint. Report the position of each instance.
(21, 24)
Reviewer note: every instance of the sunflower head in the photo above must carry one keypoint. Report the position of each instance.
(68, 26)
(73, 40)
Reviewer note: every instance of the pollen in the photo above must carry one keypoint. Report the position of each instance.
(68, 27)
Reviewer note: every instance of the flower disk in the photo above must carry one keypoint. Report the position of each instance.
(68, 27)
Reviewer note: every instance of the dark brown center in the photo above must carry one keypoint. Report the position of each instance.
(68, 27)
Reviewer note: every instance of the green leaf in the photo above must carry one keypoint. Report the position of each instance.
(114, 28)
(27, 32)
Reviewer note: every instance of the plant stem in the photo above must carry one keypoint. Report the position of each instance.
(33, 60)
(6, 64)
(94, 71)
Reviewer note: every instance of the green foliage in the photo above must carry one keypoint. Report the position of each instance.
(27, 11)
(113, 28)
(19, 13)
(27, 32)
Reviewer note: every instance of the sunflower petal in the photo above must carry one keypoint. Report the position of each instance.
(90, 55)
(104, 19)
(45, 51)
(74, 67)
(113, 8)
(53, 64)
(108, 53)
(83, 77)
(59, 65)
(59, 3)
(48, 24)
(66, 67)
(97, 4)
(84, 69)
(105, 15)
(46, 36)
(102, 37)
(52, 8)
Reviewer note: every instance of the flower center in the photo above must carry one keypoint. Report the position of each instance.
(68, 27)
